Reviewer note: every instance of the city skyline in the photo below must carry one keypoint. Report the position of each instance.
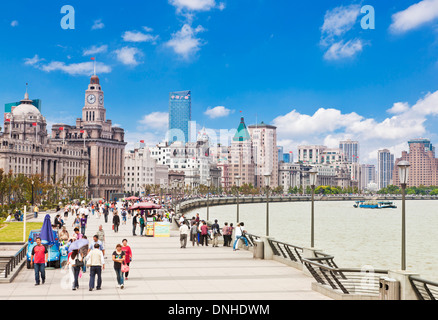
(319, 82)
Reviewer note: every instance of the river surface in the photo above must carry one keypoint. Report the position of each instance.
(355, 237)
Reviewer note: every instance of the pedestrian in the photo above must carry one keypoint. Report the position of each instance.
(230, 234)
(215, 229)
(225, 231)
(35, 211)
(94, 242)
(38, 260)
(119, 259)
(240, 234)
(194, 234)
(58, 222)
(204, 234)
(77, 235)
(76, 222)
(128, 255)
(142, 225)
(134, 224)
(101, 235)
(116, 222)
(96, 261)
(63, 234)
(66, 212)
(75, 263)
(105, 213)
(183, 232)
(124, 216)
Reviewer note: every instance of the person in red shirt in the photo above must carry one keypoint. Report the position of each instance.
(204, 234)
(38, 260)
(128, 255)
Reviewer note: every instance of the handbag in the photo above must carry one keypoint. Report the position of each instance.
(125, 268)
(79, 263)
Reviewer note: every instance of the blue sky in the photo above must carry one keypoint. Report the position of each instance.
(305, 66)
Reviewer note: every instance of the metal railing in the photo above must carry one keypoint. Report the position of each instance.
(286, 250)
(14, 261)
(345, 280)
(424, 289)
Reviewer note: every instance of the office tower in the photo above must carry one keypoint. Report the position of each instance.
(424, 166)
(241, 157)
(385, 166)
(350, 150)
(266, 152)
(180, 115)
(280, 153)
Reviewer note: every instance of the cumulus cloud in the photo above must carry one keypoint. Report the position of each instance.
(185, 42)
(95, 50)
(156, 120)
(193, 5)
(329, 126)
(217, 112)
(97, 25)
(415, 16)
(337, 23)
(128, 55)
(74, 69)
(137, 36)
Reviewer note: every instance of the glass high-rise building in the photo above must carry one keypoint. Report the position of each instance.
(350, 150)
(180, 115)
(385, 167)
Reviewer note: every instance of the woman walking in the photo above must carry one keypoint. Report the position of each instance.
(74, 264)
(119, 259)
(128, 256)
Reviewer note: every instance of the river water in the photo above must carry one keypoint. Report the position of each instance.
(355, 237)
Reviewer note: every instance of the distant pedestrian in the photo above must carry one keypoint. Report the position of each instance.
(204, 234)
(35, 211)
(119, 259)
(96, 261)
(128, 255)
(183, 233)
(94, 242)
(134, 223)
(226, 235)
(142, 225)
(215, 229)
(83, 223)
(194, 234)
(105, 213)
(240, 234)
(116, 222)
(38, 260)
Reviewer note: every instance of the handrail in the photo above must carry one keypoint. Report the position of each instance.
(15, 260)
(346, 280)
(424, 289)
(286, 250)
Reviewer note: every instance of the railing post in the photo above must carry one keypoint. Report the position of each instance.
(406, 290)
(267, 247)
(308, 253)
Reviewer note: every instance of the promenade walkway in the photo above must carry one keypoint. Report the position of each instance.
(161, 270)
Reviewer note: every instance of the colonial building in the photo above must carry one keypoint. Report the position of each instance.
(26, 148)
(104, 142)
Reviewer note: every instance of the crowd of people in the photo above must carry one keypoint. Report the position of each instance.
(199, 232)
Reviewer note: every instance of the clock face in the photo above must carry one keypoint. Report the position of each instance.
(91, 99)
(101, 99)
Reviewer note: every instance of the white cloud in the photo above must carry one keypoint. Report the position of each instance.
(217, 112)
(340, 50)
(137, 36)
(329, 126)
(75, 69)
(98, 24)
(14, 23)
(128, 55)
(33, 61)
(184, 42)
(415, 16)
(193, 5)
(337, 23)
(95, 50)
(156, 120)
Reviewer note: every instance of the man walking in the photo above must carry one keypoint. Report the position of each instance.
(116, 222)
(96, 262)
(38, 260)
(240, 234)
(183, 233)
(134, 224)
(215, 229)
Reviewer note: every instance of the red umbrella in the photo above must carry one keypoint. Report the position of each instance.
(132, 198)
(145, 205)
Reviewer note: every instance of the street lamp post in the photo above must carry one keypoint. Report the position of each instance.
(403, 167)
(32, 193)
(267, 182)
(208, 198)
(238, 193)
(313, 180)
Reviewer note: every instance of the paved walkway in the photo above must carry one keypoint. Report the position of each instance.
(161, 270)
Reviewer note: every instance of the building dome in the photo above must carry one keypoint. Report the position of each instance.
(25, 110)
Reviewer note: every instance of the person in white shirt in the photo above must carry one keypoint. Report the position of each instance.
(96, 261)
(240, 234)
(183, 232)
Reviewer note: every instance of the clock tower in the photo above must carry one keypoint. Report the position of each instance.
(94, 109)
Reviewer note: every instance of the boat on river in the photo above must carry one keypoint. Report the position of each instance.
(375, 204)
